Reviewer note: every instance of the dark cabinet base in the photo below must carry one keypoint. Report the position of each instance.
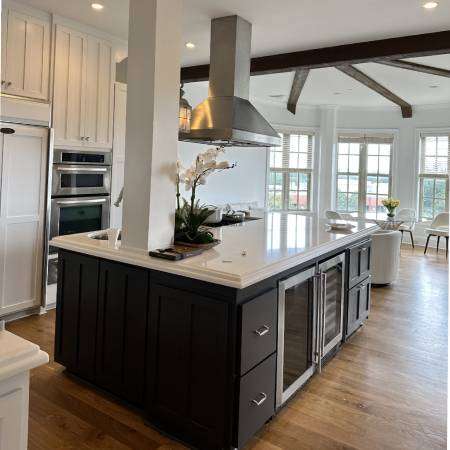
(198, 359)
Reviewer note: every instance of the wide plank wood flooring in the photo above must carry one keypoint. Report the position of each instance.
(386, 389)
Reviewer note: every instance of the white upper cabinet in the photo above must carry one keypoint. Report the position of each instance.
(25, 54)
(83, 90)
(99, 93)
(69, 102)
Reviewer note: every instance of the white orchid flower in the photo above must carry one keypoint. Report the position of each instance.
(223, 165)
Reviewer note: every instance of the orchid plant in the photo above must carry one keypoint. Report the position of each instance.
(191, 215)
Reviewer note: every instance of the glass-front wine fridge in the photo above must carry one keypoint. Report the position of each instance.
(310, 323)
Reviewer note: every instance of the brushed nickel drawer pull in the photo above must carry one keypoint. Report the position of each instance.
(262, 330)
(261, 400)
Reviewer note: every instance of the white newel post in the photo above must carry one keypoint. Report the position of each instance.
(154, 50)
(327, 190)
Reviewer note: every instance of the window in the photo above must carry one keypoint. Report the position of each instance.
(433, 175)
(363, 174)
(290, 171)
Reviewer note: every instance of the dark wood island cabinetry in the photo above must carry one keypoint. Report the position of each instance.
(199, 359)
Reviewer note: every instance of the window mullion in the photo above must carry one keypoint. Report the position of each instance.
(362, 179)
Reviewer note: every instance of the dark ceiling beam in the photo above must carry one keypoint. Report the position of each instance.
(392, 48)
(416, 67)
(299, 81)
(364, 79)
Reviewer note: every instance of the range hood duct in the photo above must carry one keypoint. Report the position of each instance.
(226, 117)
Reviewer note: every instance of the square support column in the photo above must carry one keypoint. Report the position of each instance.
(327, 169)
(154, 52)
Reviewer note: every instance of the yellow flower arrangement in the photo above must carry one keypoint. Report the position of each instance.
(390, 204)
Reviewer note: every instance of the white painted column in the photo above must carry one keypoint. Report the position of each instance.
(154, 51)
(327, 161)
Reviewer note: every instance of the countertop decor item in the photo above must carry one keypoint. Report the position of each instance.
(391, 204)
(339, 225)
(215, 216)
(190, 216)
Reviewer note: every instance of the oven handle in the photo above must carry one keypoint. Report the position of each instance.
(81, 170)
(80, 202)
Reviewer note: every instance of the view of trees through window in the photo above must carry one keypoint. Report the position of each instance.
(363, 175)
(433, 175)
(290, 171)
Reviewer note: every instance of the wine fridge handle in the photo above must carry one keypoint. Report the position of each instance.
(323, 295)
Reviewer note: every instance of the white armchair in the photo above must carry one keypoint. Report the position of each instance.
(385, 256)
(409, 222)
(438, 228)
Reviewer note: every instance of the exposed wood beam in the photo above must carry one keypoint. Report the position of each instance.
(357, 75)
(416, 67)
(299, 81)
(392, 48)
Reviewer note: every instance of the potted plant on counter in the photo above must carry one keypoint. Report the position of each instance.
(391, 204)
(191, 215)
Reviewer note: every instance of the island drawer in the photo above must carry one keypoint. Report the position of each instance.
(258, 330)
(358, 262)
(256, 400)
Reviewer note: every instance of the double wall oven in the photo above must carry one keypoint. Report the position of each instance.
(310, 323)
(81, 187)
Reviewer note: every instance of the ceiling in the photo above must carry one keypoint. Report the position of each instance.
(289, 25)
(278, 26)
(330, 87)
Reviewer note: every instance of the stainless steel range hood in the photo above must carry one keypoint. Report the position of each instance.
(226, 117)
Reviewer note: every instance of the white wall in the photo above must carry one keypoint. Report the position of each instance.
(247, 181)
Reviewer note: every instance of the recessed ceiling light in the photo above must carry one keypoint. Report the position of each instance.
(190, 45)
(430, 5)
(276, 96)
(337, 93)
(97, 6)
(433, 86)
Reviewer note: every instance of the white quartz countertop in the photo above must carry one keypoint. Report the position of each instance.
(18, 355)
(249, 252)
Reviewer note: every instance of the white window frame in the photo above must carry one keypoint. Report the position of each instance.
(362, 173)
(313, 179)
(420, 134)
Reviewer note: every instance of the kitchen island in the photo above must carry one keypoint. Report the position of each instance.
(210, 347)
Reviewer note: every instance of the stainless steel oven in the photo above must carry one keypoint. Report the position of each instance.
(79, 215)
(81, 173)
(310, 323)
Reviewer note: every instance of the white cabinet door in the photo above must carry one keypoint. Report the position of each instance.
(23, 157)
(120, 115)
(25, 54)
(99, 93)
(83, 90)
(69, 91)
(13, 429)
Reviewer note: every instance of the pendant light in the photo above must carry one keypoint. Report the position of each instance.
(185, 113)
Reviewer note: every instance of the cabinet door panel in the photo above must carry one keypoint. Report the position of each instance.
(76, 310)
(359, 263)
(122, 328)
(23, 160)
(189, 386)
(358, 306)
(26, 55)
(98, 123)
(69, 87)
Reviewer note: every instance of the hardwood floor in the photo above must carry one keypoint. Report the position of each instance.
(386, 389)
